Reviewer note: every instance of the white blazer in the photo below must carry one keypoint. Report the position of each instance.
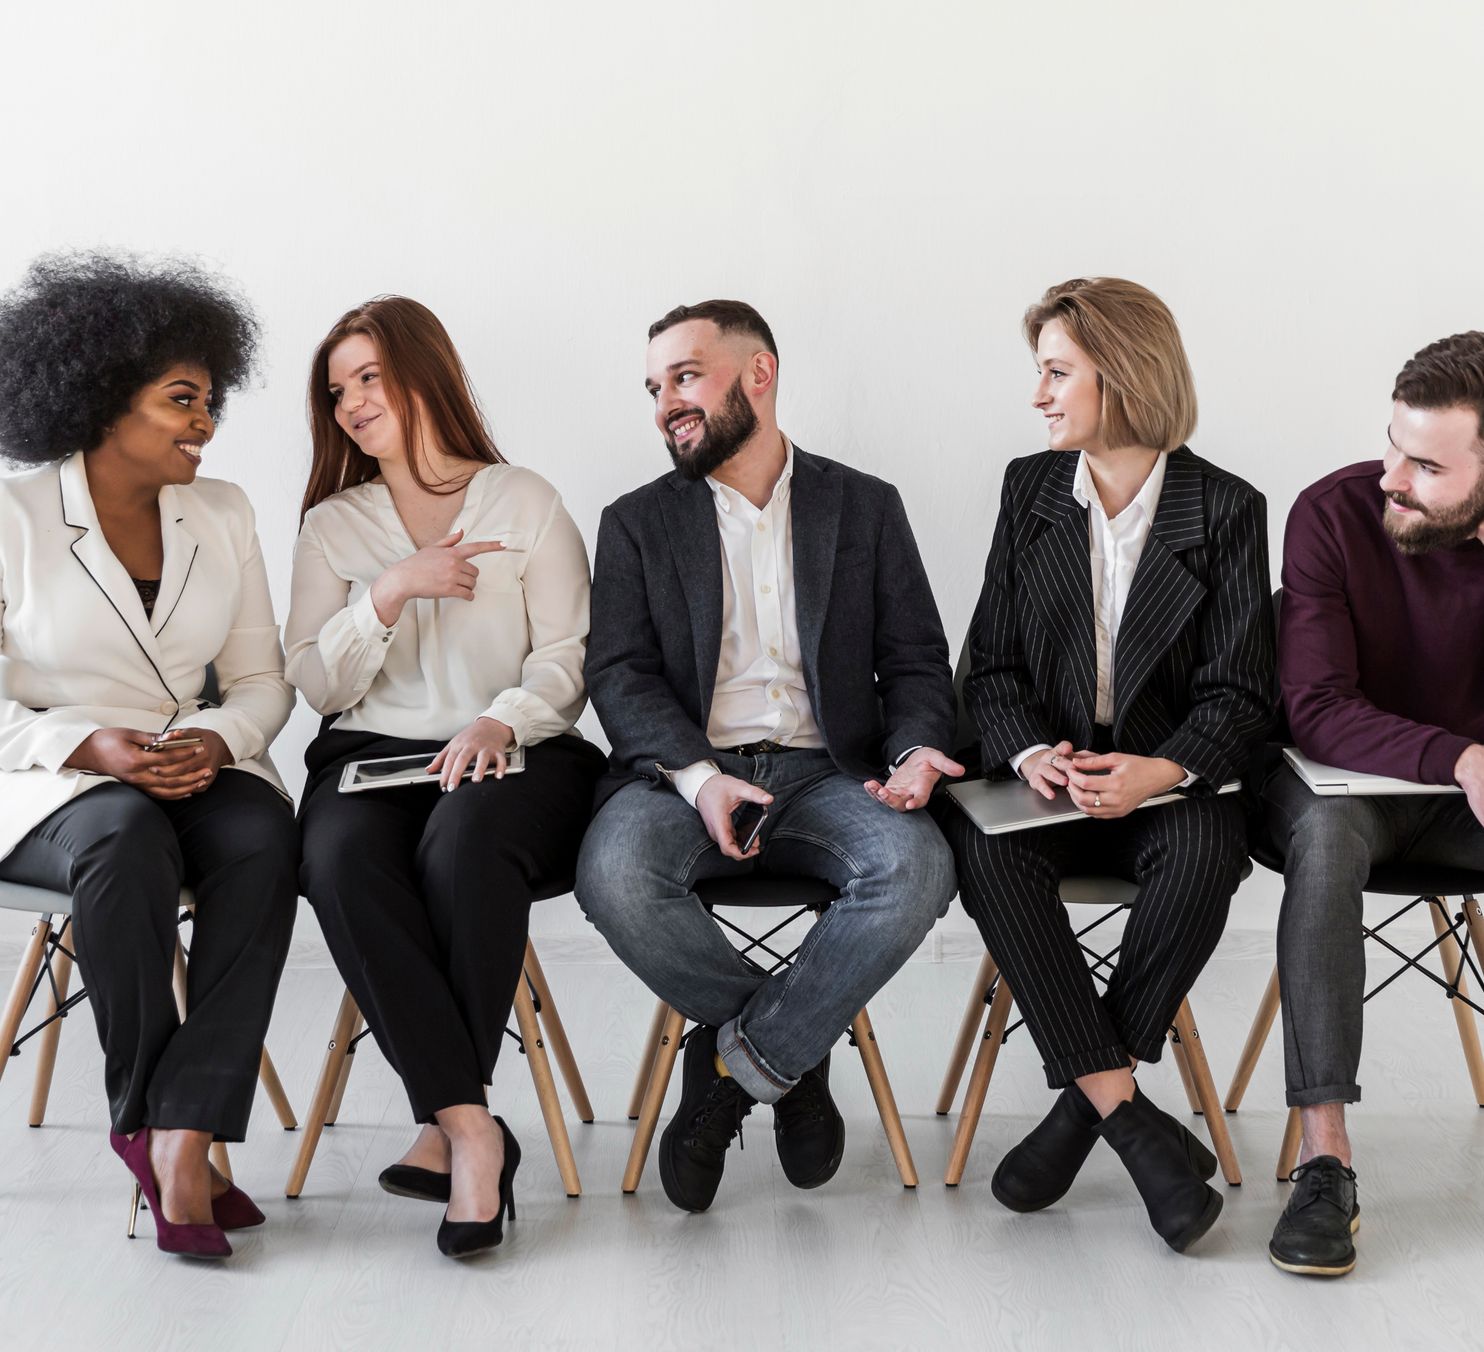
(77, 652)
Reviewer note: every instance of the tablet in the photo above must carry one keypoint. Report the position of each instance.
(1330, 781)
(390, 772)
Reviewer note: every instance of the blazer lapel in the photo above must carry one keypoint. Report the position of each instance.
(1058, 577)
(180, 558)
(92, 551)
(1164, 593)
(814, 508)
(690, 522)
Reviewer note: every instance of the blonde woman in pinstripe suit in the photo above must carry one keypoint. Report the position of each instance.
(1122, 647)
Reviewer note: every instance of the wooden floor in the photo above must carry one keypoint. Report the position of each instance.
(862, 1263)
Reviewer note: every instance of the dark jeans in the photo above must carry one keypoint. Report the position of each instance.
(424, 898)
(648, 848)
(1329, 845)
(124, 856)
(1187, 858)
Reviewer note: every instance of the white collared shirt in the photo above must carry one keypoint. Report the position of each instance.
(760, 693)
(1115, 547)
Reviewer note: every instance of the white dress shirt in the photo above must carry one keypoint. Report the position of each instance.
(1115, 547)
(513, 653)
(760, 693)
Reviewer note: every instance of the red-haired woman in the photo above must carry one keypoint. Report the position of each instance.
(440, 607)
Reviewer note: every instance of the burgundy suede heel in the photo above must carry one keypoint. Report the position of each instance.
(193, 1241)
(235, 1210)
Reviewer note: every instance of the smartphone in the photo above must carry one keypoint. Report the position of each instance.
(747, 824)
(165, 743)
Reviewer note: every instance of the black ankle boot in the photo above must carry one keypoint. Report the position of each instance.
(1181, 1206)
(1041, 1168)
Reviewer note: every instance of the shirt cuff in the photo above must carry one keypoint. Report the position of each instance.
(897, 764)
(689, 781)
(1020, 757)
(368, 623)
(1187, 781)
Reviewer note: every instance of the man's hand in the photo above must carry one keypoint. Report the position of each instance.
(911, 783)
(1046, 771)
(1468, 772)
(170, 773)
(483, 743)
(1114, 785)
(720, 796)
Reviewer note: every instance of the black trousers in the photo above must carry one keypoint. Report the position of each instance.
(424, 898)
(1187, 858)
(124, 857)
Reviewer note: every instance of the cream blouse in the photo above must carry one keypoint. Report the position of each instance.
(513, 653)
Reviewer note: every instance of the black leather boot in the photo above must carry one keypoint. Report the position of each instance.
(1039, 1170)
(1181, 1206)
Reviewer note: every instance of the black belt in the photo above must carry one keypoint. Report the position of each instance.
(764, 748)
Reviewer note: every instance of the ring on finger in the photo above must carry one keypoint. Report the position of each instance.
(1097, 800)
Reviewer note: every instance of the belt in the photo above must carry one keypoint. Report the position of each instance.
(763, 748)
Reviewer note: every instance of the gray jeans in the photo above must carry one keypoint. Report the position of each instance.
(647, 848)
(1329, 846)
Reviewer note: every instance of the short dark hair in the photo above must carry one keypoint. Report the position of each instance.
(730, 316)
(83, 333)
(1446, 374)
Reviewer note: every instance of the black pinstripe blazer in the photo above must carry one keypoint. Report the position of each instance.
(1193, 670)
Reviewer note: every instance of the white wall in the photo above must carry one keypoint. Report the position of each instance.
(890, 185)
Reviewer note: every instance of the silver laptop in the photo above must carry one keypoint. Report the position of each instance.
(1329, 779)
(999, 806)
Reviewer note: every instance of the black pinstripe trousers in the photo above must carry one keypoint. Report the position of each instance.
(1187, 858)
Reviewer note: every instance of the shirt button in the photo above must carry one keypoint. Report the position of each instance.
(765, 589)
(772, 652)
(386, 638)
(776, 695)
(762, 525)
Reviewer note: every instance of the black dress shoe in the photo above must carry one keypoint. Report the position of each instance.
(1313, 1235)
(694, 1146)
(461, 1239)
(1181, 1206)
(1041, 1168)
(407, 1180)
(808, 1130)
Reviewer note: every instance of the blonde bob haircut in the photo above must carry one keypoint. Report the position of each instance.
(1131, 337)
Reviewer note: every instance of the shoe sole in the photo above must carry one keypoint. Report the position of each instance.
(672, 1186)
(1207, 1219)
(1020, 1208)
(409, 1192)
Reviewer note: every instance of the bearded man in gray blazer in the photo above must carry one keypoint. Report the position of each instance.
(763, 636)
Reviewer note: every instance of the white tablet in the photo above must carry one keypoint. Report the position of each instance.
(1330, 780)
(390, 772)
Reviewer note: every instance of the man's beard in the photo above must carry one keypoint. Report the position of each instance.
(1435, 527)
(723, 434)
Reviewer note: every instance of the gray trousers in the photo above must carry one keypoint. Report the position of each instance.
(1329, 846)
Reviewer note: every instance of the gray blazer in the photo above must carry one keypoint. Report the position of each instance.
(875, 659)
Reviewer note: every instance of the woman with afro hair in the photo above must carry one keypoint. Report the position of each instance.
(122, 578)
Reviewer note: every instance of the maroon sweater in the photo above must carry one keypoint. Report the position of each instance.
(1381, 655)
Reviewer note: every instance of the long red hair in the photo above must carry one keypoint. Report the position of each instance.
(426, 386)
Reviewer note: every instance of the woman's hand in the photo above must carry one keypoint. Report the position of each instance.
(1116, 784)
(1046, 771)
(444, 568)
(483, 743)
(169, 773)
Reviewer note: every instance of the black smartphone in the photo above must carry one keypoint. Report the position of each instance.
(747, 824)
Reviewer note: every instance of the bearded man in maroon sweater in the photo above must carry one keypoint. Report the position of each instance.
(1381, 660)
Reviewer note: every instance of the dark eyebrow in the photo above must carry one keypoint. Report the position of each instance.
(181, 380)
(1415, 459)
(373, 362)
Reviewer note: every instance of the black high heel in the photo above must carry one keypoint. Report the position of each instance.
(460, 1239)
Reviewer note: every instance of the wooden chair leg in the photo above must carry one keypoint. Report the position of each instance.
(647, 1059)
(1177, 1052)
(974, 1096)
(1288, 1152)
(556, 1037)
(268, 1074)
(1205, 1089)
(546, 1091)
(46, 1056)
(1473, 916)
(886, 1103)
(1257, 1037)
(180, 980)
(332, 1116)
(1468, 1030)
(20, 989)
(654, 1096)
(967, 1030)
(220, 1158)
(324, 1090)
